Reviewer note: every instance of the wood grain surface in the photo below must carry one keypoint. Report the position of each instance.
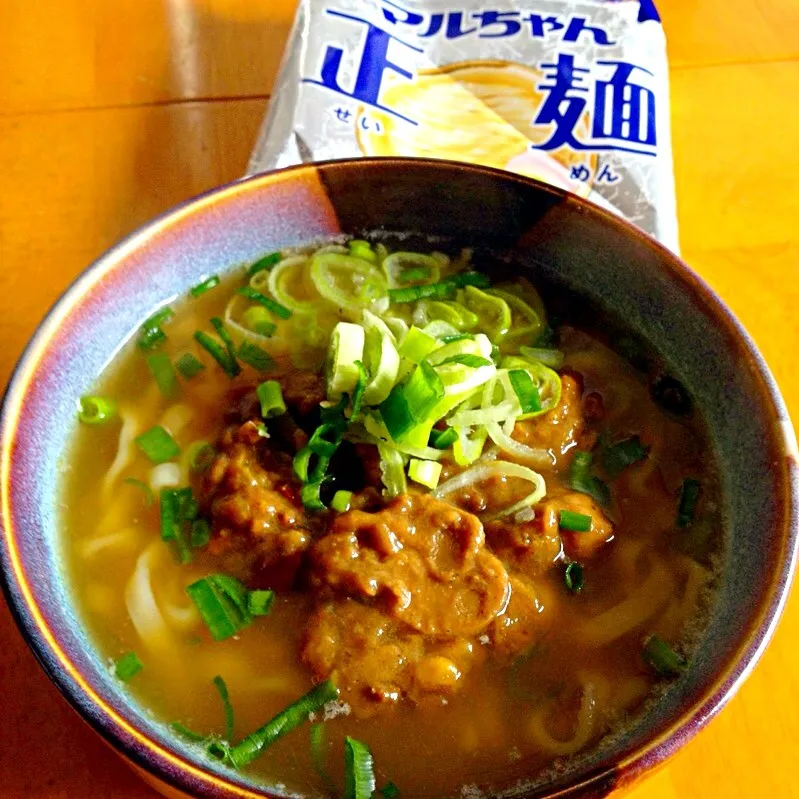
(111, 111)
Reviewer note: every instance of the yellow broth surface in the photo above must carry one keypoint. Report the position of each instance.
(579, 675)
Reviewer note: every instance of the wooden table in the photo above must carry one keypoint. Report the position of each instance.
(112, 111)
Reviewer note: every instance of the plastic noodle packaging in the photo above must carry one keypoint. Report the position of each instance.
(571, 93)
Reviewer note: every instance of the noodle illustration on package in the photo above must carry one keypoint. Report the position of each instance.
(571, 93)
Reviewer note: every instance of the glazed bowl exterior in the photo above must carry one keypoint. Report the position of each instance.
(551, 235)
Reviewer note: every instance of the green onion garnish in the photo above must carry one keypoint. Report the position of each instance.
(267, 262)
(161, 368)
(362, 249)
(201, 455)
(220, 686)
(200, 533)
(465, 359)
(219, 353)
(221, 330)
(443, 439)
(275, 307)
(689, 496)
(259, 603)
(270, 395)
(185, 732)
(158, 445)
(341, 502)
(96, 410)
(409, 404)
(526, 390)
(358, 391)
(413, 274)
(303, 468)
(417, 345)
(177, 507)
(295, 714)
(222, 602)
(189, 365)
(256, 318)
(128, 666)
(150, 338)
(581, 480)
(573, 577)
(456, 337)
(389, 791)
(207, 284)
(617, 457)
(576, 522)
(255, 356)
(144, 488)
(663, 659)
(158, 318)
(310, 494)
(441, 290)
(318, 755)
(325, 439)
(359, 772)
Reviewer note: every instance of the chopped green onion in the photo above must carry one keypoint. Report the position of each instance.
(178, 506)
(443, 439)
(128, 666)
(573, 577)
(161, 368)
(346, 346)
(304, 470)
(576, 522)
(320, 444)
(255, 356)
(96, 410)
(222, 602)
(150, 338)
(220, 686)
(472, 361)
(158, 318)
(207, 284)
(259, 603)
(158, 445)
(427, 473)
(617, 457)
(144, 488)
(189, 365)
(220, 354)
(311, 497)
(358, 392)
(221, 330)
(663, 659)
(200, 455)
(414, 274)
(362, 249)
(295, 714)
(525, 390)
(200, 533)
(463, 279)
(271, 305)
(457, 337)
(267, 262)
(342, 500)
(409, 404)
(389, 791)
(359, 773)
(441, 290)
(257, 318)
(581, 480)
(318, 755)
(185, 732)
(392, 470)
(270, 395)
(689, 496)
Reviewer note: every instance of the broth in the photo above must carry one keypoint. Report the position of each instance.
(467, 695)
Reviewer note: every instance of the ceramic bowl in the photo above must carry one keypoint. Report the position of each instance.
(553, 236)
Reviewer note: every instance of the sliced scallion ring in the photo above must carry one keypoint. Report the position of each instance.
(346, 346)
(290, 285)
(351, 284)
(526, 322)
(497, 468)
(546, 380)
(396, 265)
(493, 313)
(381, 359)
